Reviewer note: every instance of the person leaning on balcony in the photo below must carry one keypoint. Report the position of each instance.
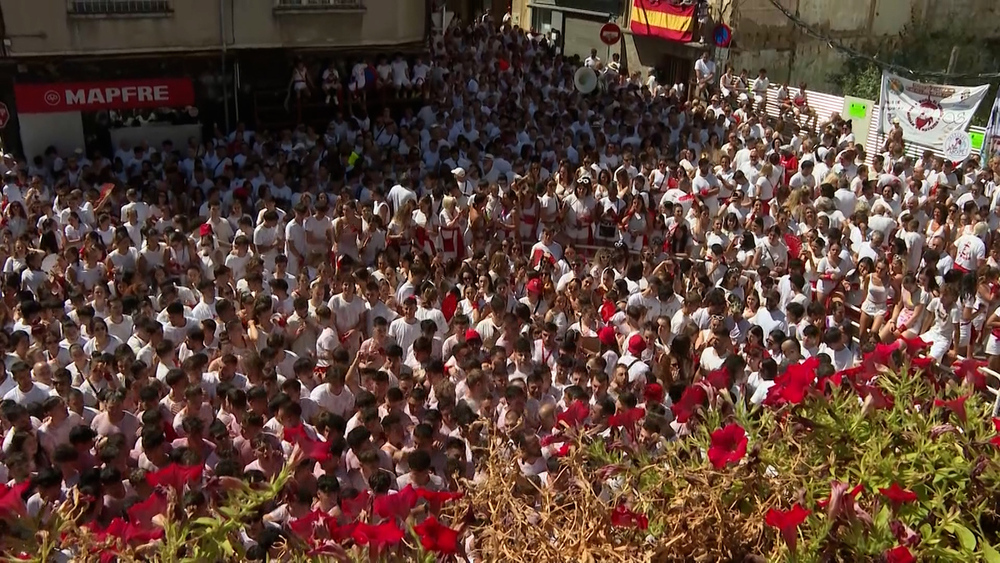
(704, 69)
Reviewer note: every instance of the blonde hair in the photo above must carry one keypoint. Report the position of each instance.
(448, 202)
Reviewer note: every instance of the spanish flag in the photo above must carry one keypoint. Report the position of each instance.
(661, 18)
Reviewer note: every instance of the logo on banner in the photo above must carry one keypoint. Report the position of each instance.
(925, 116)
(52, 98)
(957, 146)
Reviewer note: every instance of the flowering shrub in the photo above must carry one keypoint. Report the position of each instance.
(895, 467)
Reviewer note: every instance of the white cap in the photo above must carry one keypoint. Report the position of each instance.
(458, 171)
(487, 156)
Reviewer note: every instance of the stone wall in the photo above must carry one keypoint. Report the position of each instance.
(764, 37)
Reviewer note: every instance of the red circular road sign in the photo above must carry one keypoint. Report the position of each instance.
(4, 115)
(611, 33)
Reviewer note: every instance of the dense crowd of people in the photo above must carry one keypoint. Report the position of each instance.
(387, 296)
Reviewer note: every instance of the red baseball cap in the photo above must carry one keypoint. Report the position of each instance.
(472, 334)
(606, 335)
(636, 345)
(534, 286)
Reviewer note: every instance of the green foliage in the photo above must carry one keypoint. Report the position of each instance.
(917, 49)
(794, 455)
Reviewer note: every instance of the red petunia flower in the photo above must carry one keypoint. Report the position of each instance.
(882, 354)
(627, 419)
(898, 495)
(921, 363)
(915, 345)
(787, 522)
(143, 512)
(956, 406)
(574, 415)
(351, 507)
(306, 526)
(175, 476)
(792, 386)
(996, 424)
(12, 500)
(968, 370)
(719, 378)
(623, 517)
(437, 498)
(377, 536)
(899, 554)
(729, 445)
(693, 397)
(435, 536)
(831, 382)
(396, 505)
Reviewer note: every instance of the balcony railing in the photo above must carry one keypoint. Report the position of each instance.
(118, 7)
(297, 6)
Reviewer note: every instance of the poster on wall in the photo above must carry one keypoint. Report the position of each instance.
(927, 113)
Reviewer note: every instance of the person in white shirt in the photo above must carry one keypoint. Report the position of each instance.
(26, 392)
(406, 329)
(970, 250)
(946, 315)
(704, 69)
(834, 346)
(760, 86)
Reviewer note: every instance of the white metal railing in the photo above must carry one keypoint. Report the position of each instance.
(117, 7)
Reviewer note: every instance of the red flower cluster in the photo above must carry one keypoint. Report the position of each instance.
(313, 449)
(175, 476)
(624, 517)
(694, 396)
(12, 500)
(792, 386)
(627, 419)
(729, 445)
(435, 536)
(394, 508)
(996, 439)
(574, 415)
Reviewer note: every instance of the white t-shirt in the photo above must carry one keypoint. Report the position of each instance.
(404, 333)
(969, 251)
(945, 319)
(342, 404)
(704, 68)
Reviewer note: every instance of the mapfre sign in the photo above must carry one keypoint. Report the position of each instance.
(97, 96)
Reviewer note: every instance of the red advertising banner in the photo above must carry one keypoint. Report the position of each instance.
(96, 96)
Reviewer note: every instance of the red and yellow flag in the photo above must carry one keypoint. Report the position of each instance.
(661, 18)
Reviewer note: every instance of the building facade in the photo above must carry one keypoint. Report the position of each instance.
(79, 65)
(576, 24)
